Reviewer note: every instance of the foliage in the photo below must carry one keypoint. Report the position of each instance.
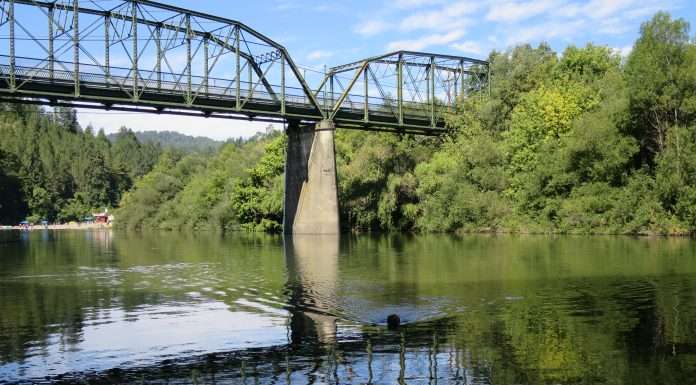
(581, 142)
(376, 187)
(240, 187)
(51, 169)
(258, 198)
(12, 201)
(661, 76)
(175, 140)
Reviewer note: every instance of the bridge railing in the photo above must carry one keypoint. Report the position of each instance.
(175, 59)
(34, 71)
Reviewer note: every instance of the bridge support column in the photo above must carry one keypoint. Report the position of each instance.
(311, 194)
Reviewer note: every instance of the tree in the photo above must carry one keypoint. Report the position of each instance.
(59, 169)
(12, 204)
(661, 76)
(587, 64)
(514, 73)
(258, 199)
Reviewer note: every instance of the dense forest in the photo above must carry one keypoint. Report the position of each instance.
(174, 140)
(585, 141)
(51, 169)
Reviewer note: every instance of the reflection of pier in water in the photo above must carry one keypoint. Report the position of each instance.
(312, 264)
(316, 352)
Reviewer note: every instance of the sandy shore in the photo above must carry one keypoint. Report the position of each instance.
(73, 226)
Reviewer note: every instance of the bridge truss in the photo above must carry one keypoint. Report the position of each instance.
(140, 55)
(407, 90)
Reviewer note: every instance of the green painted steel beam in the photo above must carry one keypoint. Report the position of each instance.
(76, 47)
(13, 63)
(408, 113)
(164, 25)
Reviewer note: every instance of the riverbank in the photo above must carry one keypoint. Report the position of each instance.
(66, 226)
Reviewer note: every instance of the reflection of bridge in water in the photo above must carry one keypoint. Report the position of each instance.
(321, 347)
(410, 356)
(264, 316)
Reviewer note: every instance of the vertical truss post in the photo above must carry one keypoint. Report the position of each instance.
(51, 53)
(282, 84)
(158, 64)
(457, 77)
(427, 84)
(238, 69)
(134, 36)
(107, 47)
(249, 77)
(76, 46)
(461, 68)
(366, 117)
(206, 67)
(188, 59)
(11, 20)
(326, 100)
(400, 87)
(331, 89)
(432, 91)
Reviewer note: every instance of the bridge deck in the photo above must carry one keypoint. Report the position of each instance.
(185, 62)
(217, 98)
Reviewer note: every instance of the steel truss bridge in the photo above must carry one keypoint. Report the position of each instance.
(140, 55)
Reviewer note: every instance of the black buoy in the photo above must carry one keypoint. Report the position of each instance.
(393, 321)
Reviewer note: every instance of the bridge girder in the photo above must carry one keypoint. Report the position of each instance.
(141, 55)
(188, 55)
(426, 85)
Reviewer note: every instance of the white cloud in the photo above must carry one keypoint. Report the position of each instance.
(451, 16)
(611, 9)
(424, 42)
(319, 55)
(614, 26)
(512, 11)
(285, 5)
(624, 51)
(468, 47)
(371, 27)
(416, 3)
(545, 31)
(597, 9)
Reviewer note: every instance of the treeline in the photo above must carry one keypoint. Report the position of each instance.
(583, 142)
(586, 141)
(51, 169)
(174, 140)
(240, 187)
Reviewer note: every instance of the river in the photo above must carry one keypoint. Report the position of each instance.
(109, 307)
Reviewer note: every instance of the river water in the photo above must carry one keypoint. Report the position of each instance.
(111, 307)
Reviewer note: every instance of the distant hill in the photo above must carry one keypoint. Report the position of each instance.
(171, 139)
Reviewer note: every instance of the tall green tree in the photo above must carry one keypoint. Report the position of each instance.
(661, 76)
(63, 172)
(12, 203)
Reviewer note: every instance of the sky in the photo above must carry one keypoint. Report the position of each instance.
(326, 33)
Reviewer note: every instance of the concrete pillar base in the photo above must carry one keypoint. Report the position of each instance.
(311, 193)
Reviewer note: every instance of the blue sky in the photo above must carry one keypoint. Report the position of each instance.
(319, 33)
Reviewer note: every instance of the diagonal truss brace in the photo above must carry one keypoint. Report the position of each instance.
(437, 78)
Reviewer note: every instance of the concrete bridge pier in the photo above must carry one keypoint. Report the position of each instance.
(311, 193)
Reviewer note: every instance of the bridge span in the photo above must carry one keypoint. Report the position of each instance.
(145, 56)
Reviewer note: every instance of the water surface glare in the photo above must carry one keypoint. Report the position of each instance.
(112, 307)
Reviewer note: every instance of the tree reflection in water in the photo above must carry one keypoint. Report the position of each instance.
(478, 310)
